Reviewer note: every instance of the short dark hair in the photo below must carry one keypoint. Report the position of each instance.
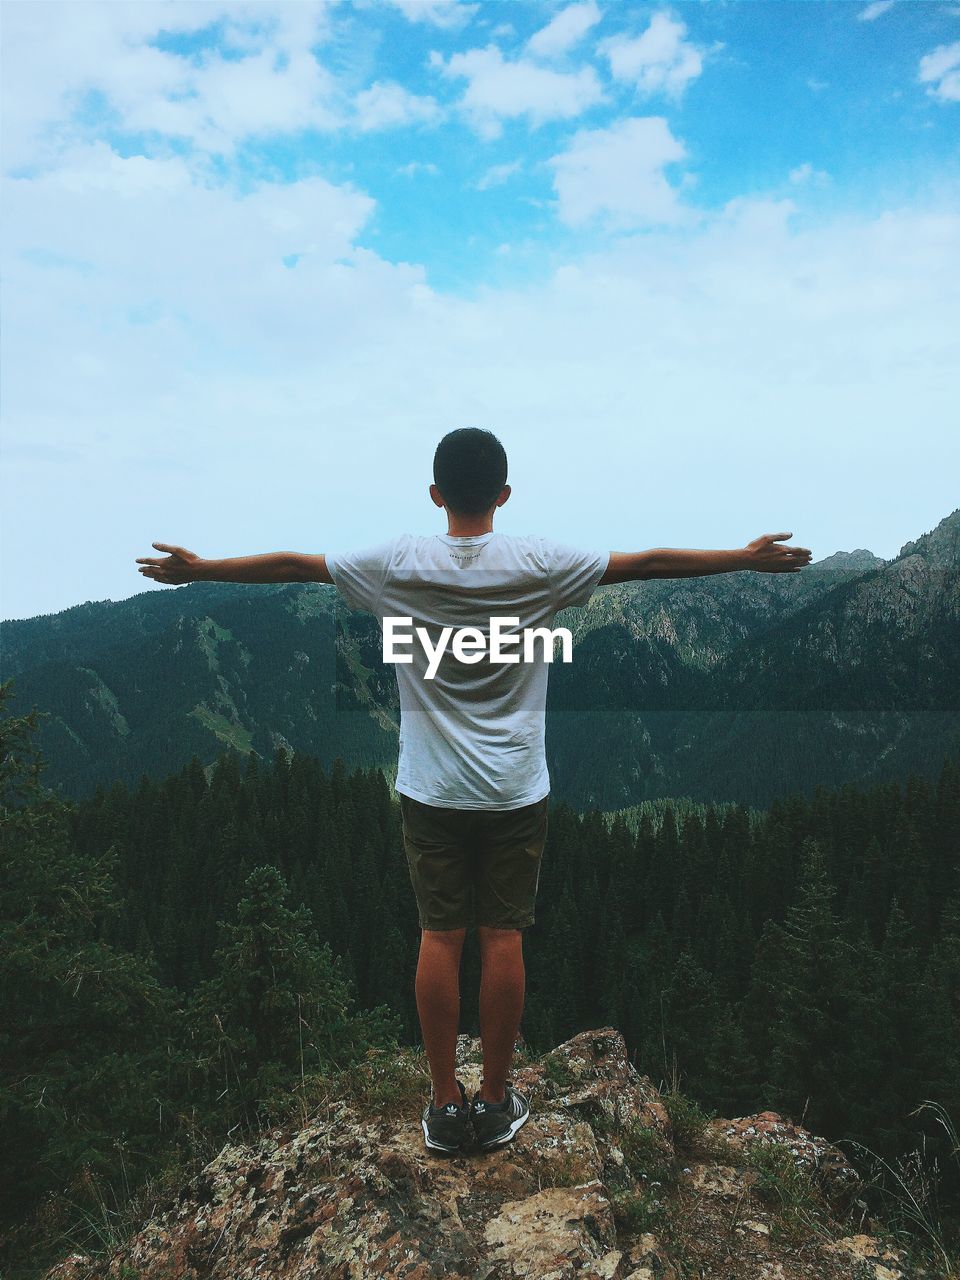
(470, 470)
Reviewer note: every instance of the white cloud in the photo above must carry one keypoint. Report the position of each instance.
(617, 174)
(446, 14)
(165, 214)
(565, 30)
(225, 101)
(806, 173)
(874, 10)
(941, 71)
(497, 174)
(817, 86)
(498, 89)
(154, 341)
(67, 51)
(161, 325)
(418, 166)
(660, 60)
(388, 104)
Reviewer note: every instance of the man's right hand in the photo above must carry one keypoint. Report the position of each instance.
(764, 555)
(179, 566)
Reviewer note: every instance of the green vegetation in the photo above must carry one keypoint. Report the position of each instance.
(644, 1154)
(558, 1072)
(688, 1121)
(226, 730)
(385, 1082)
(226, 948)
(909, 1189)
(565, 1170)
(677, 688)
(787, 1188)
(112, 1083)
(636, 1210)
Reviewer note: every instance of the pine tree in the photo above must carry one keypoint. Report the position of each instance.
(691, 1013)
(940, 1011)
(86, 1063)
(901, 1033)
(610, 995)
(731, 1073)
(278, 1004)
(763, 1001)
(812, 1028)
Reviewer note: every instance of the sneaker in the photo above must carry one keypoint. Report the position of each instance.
(497, 1123)
(444, 1128)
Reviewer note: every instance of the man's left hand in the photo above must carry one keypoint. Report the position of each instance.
(179, 566)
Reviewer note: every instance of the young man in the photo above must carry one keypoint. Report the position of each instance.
(472, 776)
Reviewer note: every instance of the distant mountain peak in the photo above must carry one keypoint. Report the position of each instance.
(861, 559)
(941, 546)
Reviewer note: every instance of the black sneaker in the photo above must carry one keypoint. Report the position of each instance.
(497, 1123)
(444, 1128)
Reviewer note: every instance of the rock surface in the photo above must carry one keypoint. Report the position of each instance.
(591, 1188)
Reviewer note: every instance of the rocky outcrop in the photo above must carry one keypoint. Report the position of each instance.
(593, 1187)
(939, 547)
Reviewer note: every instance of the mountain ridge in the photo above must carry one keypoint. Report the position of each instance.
(847, 671)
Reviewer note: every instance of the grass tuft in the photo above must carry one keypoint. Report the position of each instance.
(558, 1073)
(386, 1079)
(909, 1192)
(639, 1209)
(788, 1189)
(689, 1121)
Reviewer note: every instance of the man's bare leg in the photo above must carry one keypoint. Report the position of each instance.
(502, 984)
(438, 1004)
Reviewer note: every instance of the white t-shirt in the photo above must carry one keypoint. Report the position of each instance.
(473, 736)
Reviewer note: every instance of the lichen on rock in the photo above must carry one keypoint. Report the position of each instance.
(350, 1196)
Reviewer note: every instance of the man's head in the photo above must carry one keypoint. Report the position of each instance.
(470, 472)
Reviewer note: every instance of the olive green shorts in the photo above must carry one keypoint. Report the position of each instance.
(474, 867)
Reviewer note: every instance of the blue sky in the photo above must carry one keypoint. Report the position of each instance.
(696, 264)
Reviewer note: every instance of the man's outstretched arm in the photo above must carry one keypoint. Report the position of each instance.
(276, 566)
(763, 554)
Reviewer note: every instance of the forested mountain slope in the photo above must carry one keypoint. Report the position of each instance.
(731, 687)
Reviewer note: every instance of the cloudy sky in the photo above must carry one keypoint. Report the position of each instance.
(697, 266)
